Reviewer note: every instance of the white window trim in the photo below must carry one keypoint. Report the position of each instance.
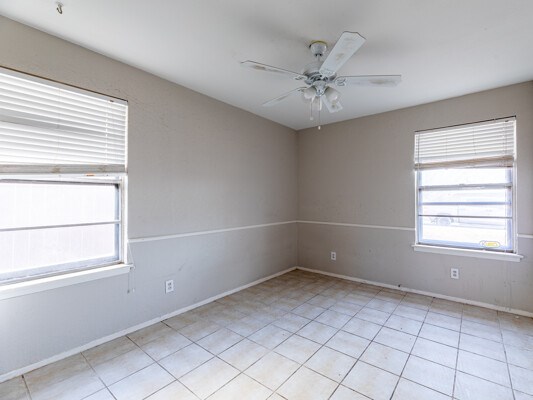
(22, 288)
(454, 251)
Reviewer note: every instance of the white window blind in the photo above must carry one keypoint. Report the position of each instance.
(490, 141)
(47, 127)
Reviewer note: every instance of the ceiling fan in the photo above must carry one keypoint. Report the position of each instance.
(321, 75)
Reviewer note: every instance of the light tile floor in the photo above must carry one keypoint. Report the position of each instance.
(304, 336)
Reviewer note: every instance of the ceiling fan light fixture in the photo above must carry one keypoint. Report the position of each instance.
(309, 93)
(332, 95)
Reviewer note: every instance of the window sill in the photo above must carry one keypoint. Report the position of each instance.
(53, 282)
(468, 253)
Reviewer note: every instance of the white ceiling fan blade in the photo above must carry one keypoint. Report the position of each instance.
(369, 80)
(346, 46)
(279, 99)
(332, 107)
(268, 68)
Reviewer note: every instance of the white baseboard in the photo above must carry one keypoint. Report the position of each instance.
(437, 295)
(131, 329)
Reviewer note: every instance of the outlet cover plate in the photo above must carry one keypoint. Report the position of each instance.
(169, 286)
(454, 273)
(333, 256)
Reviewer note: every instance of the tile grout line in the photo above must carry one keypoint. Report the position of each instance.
(27, 387)
(98, 376)
(506, 360)
(410, 351)
(457, 356)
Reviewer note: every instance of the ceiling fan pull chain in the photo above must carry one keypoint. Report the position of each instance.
(319, 107)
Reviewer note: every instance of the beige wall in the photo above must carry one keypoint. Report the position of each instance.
(195, 164)
(361, 172)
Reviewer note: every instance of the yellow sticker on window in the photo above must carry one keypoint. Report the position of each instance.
(490, 243)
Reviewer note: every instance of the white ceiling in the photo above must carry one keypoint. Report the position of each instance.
(442, 48)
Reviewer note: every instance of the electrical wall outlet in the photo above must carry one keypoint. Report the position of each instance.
(333, 256)
(454, 273)
(169, 286)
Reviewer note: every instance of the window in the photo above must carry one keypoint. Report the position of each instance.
(465, 186)
(62, 178)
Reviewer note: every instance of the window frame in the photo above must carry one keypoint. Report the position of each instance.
(117, 180)
(511, 232)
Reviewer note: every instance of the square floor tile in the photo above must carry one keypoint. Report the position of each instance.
(246, 326)
(331, 363)
(185, 360)
(371, 381)
(480, 330)
(385, 357)
(356, 298)
(109, 350)
(120, 367)
(382, 305)
(407, 390)
(375, 316)
(174, 391)
(243, 354)
(307, 385)
(145, 335)
(270, 336)
(362, 328)
(517, 339)
(182, 320)
(242, 387)
(141, 384)
(443, 321)
(333, 318)
(199, 330)
(317, 332)
(219, 341)
(166, 344)
(430, 374)
(522, 379)
(286, 304)
(398, 340)
(291, 322)
(348, 344)
(322, 301)
(308, 311)
(435, 352)
(468, 387)
(411, 313)
(403, 324)
(440, 335)
(483, 367)
(297, 348)
(346, 307)
(447, 307)
(519, 357)
(209, 377)
(272, 370)
(483, 347)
